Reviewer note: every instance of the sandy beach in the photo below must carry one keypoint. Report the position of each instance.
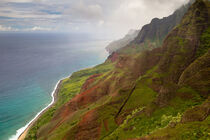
(55, 95)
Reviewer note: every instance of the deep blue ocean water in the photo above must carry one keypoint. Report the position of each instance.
(31, 65)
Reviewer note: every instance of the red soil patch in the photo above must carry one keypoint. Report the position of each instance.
(89, 127)
(106, 125)
(69, 108)
(88, 117)
(77, 102)
(86, 97)
(140, 139)
(64, 115)
(89, 81)
(80, 101)
(113, 57)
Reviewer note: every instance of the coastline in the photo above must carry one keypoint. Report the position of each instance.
(24, 130)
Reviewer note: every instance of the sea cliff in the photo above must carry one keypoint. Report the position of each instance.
(150, 93)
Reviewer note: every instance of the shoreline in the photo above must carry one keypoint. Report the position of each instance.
(24, 130)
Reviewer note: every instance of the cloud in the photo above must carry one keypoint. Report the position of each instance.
(17, 1)
(4, 28)
(122, 15)
(35, 28)
(111, 17)
(100, 23)
(38, 28)
(81, 10)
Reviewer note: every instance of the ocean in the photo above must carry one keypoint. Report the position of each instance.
(30, 66)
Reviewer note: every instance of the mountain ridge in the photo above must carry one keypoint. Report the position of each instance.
(152, 33)
(160, 93)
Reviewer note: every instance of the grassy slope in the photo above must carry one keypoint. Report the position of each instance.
(68, 89)
(165, 122)
(157, 104)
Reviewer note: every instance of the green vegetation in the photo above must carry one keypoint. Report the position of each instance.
(118, 131)
(68, 89)
(136, 99)
(192, 130)
(136, 126)
(166, 97)
(205, 43)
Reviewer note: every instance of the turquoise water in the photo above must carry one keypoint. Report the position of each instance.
(31, 65)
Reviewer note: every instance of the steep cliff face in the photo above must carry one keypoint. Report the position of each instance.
(151, 35)
(159, 28)
(161, 93)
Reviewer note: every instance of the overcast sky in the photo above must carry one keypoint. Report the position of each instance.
(110, 17)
